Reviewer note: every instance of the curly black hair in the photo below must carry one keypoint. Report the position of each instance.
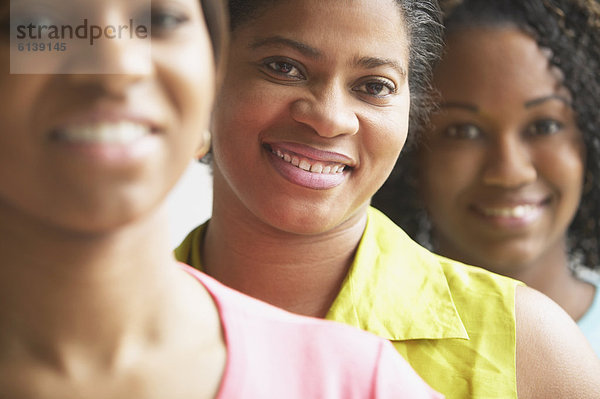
(423, 21)
(571, 30)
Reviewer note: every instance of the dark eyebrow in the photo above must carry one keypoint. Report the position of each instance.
(468, 107)
(282, 41)
(538, 101)
(374, 62)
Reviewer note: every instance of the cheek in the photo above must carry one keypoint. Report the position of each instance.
(230, 126)
(564, 169)
(190, 99)
(385, 136)
(187, 74)
(443, 174)
(20, 142)
(242, 114)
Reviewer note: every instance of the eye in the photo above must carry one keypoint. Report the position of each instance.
(544, 127)
(377, 88)
(465, 131)
(163, 20)
(283, 69)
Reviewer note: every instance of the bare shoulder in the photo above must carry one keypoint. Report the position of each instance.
(553, 358)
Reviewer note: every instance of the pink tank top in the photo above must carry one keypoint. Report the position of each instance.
(275, 354)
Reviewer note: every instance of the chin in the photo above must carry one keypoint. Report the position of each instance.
(103, 220)
(304, 221)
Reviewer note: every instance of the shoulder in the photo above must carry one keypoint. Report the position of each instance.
(553, 357)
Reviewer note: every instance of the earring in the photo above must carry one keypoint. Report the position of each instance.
(204, 145)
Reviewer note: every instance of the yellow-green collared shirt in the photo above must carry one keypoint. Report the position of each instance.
(455, 324)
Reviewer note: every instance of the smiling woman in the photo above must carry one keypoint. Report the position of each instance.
(507, 168)
(295, 100)
(313, 114)
(84, 162)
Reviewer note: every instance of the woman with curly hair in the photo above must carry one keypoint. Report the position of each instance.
(506, 174)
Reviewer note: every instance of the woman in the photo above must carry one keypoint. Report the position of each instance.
(508, 169)
(312, 116)
(92, 303)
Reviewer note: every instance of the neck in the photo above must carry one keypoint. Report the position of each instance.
(297, 272)
(63, 293)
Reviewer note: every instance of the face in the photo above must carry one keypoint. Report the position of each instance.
(313, 112)
(91, 152)
(503, 164)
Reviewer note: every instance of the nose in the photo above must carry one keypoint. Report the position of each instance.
(509, 163)
(328, 111)
(112, 61)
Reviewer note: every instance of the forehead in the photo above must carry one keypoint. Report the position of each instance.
(495, 60)
(334, 26)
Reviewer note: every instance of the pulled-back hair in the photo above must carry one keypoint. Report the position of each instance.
(423, 23)
(571, 30)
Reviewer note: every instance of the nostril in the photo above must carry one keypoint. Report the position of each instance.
(328, 116)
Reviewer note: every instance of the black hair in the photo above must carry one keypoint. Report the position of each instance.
(423, 22)
(571, 30)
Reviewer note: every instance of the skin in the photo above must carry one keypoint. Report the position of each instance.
(503, 165)
(77, 310)
(276, 236)
(301, 90)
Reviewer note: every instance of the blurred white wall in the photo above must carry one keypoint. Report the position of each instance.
(190, 203)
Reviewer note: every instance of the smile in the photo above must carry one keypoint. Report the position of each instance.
(310, 165)
(118, 133)
(519, 211)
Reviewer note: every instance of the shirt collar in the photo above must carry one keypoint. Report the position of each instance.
(396, 289)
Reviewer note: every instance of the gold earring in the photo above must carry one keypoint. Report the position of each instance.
(204, 144)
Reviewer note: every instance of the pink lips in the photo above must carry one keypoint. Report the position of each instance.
(309, 167)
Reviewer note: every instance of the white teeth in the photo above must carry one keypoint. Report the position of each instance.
(317, 168)
(105, 133)
(304, 164)
(518, 211)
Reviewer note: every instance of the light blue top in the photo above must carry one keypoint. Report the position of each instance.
(590, 322)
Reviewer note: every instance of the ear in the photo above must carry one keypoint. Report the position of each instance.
(204, 145)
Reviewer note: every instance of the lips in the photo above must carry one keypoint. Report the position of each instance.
(309, 167)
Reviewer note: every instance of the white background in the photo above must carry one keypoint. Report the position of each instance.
(190, 203)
